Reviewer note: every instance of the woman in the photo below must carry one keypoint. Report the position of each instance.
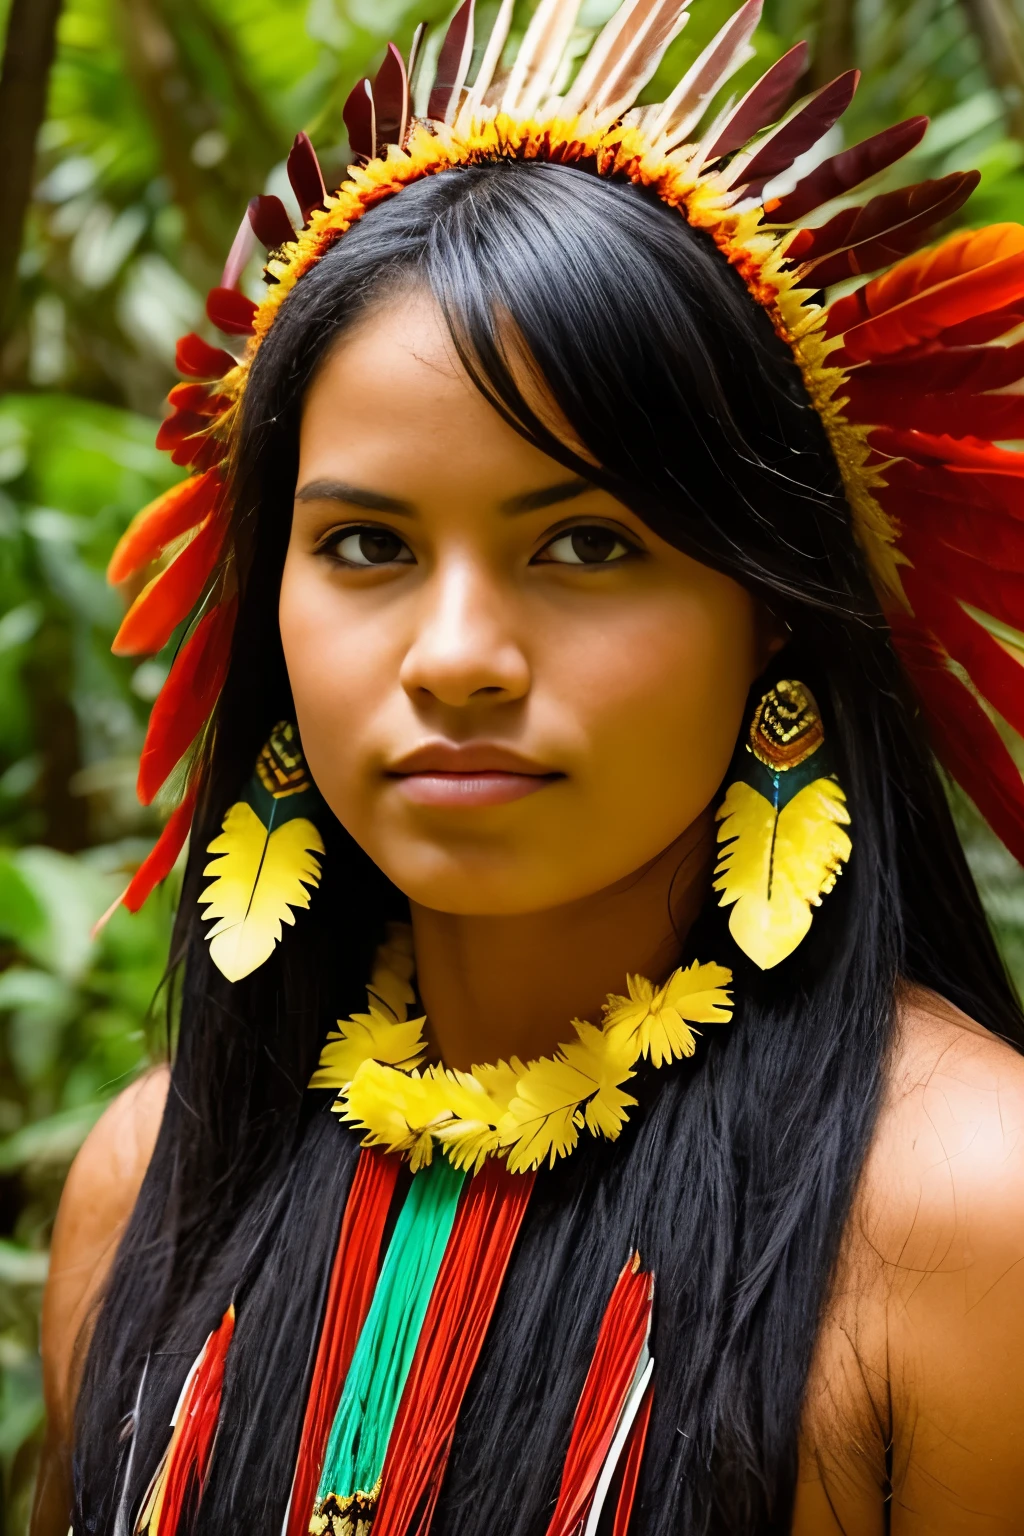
(556, 518)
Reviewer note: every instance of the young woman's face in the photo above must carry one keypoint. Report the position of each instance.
(509, 691)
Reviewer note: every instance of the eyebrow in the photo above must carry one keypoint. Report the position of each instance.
(374, 501)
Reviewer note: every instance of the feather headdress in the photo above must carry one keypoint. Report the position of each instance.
(917, 374)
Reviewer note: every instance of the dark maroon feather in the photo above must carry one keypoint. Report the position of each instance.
(198, 360)
(358, 115)
(230, 311)
(843, 172)
(763, 104)
(391, 99)
(883, 231)
(800, 134)
(306, 177)
(447, 77)
(270, 222)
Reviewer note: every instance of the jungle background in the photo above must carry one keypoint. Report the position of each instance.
(132, 133)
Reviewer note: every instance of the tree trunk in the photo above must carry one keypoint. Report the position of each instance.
(999, 31)
(836, 43)
(29, 48)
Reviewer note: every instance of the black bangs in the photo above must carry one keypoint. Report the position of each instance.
(736, 1177)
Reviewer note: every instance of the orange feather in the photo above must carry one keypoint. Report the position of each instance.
(165, 519)
(187, 698)
(160, 860)
(171, 596)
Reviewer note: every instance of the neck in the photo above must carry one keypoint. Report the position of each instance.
(495, 987)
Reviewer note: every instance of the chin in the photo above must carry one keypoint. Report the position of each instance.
(483, 886)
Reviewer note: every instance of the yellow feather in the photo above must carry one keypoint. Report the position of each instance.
(546, 1113)
(777, 867)
(660, 1017)
(397, 1109)
(258, 879)
(369, 1036)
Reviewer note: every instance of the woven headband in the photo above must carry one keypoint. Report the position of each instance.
(917, 374)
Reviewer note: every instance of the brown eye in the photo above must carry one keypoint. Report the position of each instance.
(586, 546)
(372, 546)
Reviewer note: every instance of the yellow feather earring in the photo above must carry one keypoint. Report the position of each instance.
(783, 825)
(267, 857)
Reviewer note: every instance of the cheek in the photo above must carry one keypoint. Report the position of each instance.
(662, 701)
(335, 669)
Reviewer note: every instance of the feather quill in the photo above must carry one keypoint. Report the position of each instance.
(490, 62)
(391, 99)
(259, 875)
(776, 865)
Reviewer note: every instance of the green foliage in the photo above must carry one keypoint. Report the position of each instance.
(165, 117)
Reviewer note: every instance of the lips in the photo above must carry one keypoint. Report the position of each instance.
(473, 775)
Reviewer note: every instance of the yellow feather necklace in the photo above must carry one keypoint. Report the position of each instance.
(527, 1113)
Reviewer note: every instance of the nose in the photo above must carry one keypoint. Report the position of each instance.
(464, 650)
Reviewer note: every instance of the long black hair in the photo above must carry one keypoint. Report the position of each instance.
(735, 1177)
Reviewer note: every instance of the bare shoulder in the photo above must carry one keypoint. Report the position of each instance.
(98, 1198)
(936, 1267)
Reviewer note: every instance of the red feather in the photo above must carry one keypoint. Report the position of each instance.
(968, 370)
(968, 453)
(863, 239)
(461, 1306)
(972, 333)
(353, 1279)
(762, 104)
(198, 360)
(391, 100)
(305, 176)
(230, 311)
(973, 580)
(452, 62)
(979, 415)
(843, 172)
(631, 1467)
(993, 670)
(192, 1441)
(620, 1344)
(162, 857)
(359, 119)
(963, 737)
(170, 597)
(965, 529)
(165, 519)
(800, 134)
(969, 274)
(187, 698)
(198, 398)
(270, 222)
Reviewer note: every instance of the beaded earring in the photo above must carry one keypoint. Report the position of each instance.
(267, 855)
(783, 824)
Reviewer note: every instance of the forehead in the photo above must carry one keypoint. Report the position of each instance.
(392, 402)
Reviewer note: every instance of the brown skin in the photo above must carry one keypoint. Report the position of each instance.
(625, 677)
